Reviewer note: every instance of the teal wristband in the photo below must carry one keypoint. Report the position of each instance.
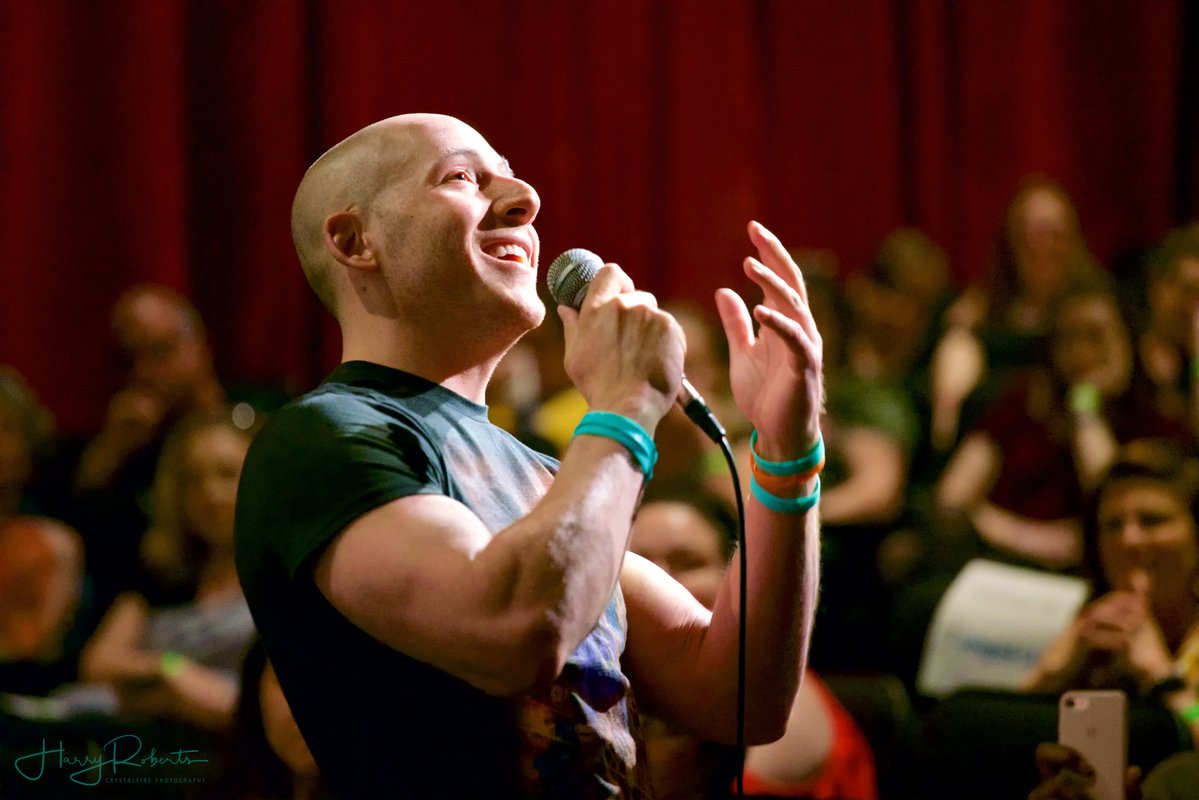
(806, 463)
(623, 431)
(785, 505)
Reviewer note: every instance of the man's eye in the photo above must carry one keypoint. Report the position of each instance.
(461, 175)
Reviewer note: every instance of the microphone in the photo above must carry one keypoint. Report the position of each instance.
(570, 276)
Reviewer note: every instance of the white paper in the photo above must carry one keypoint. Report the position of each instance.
(992, 625)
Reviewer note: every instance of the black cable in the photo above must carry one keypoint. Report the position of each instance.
(732, 462)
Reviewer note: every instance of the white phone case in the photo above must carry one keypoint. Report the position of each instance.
(1095, 723)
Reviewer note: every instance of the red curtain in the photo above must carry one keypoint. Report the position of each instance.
(161, 140)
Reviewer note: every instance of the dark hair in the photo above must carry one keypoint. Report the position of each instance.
(37, 425)
(1005, 274)
(1179, 244)
(1162, 461)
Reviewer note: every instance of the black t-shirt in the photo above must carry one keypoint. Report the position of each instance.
(381, 724)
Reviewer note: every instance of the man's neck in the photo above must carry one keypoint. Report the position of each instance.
(462, 370)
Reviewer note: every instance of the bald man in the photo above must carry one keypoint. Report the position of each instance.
(449, 613)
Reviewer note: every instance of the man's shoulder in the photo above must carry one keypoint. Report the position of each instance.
(334, 408)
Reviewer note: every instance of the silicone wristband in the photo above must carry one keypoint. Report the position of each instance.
(808, 464)
(172, 664)
(785, 505)
(781, 485)
(1085, 398)
(1190, 714)
(624, 431)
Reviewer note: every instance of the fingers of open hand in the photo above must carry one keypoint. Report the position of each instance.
(774, 255)
(781, 297)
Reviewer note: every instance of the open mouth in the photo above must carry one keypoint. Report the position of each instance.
(508, 252)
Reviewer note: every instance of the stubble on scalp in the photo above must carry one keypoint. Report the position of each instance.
(351, 174)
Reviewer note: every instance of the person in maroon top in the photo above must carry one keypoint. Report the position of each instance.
(1019, 477)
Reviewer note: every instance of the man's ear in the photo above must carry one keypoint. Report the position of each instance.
(345, 238)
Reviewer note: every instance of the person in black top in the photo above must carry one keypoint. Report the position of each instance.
(449, 613)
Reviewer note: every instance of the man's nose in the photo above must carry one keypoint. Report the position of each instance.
(516, 201)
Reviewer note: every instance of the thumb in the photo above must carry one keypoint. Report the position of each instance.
(734, 317)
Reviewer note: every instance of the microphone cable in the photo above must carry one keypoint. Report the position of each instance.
(742, 594)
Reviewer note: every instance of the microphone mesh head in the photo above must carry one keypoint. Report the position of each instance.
(570, 275)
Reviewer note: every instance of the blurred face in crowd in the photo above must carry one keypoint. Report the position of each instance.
(1043, 238)
(212, 460)
(16, 462)
(165, 347)
(1173, 300)
(1147, 540)
(684, 543)
(1091, 344)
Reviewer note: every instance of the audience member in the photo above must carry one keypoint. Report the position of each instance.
(25, 433)
(1141, 633)
(1168, 345)
(1067, 775)
(171, 375)
(41, 560)
(172, 649)
(822, 754)
(1019, 477)
(870, 428)
(991, 332)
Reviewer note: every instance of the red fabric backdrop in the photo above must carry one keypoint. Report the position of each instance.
(161, 140)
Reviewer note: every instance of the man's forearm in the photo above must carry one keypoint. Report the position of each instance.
(784, 577)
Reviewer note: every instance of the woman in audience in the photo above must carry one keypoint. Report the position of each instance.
(1169, 344)
(1040, 254)
(1141, 633)
(822, 754)
(172, 650)
(1018, 479)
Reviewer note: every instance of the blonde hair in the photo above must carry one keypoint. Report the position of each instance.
(170, 549)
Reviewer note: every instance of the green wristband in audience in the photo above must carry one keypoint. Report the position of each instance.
(1190, 714)
(785, 505)
(808, 462)
(1085, 398)
(624, 431)
(172, 664)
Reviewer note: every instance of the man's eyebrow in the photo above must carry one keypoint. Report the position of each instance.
(476, 156)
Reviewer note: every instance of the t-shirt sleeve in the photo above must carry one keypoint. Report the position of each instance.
(320, 465)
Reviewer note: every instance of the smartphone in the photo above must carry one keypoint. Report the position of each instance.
(1095, 723)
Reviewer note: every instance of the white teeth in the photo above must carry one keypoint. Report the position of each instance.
(502, 250)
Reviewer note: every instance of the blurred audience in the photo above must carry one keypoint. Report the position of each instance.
(171, 375)
(1018, 479)
(42, 589)
(822, 754)
(172, 649)
(870, 429)
(996, 329)
(1141, 633)
(1169, 345)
